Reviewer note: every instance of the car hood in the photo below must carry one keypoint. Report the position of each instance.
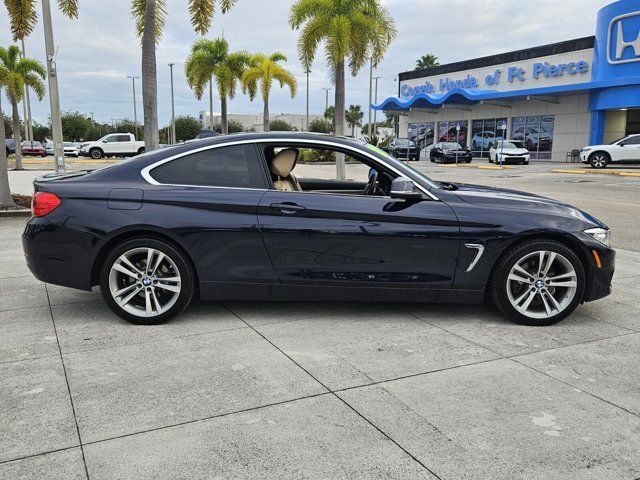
(513, 151)
(504, 199)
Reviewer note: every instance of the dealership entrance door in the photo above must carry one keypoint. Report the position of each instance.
(633, 122)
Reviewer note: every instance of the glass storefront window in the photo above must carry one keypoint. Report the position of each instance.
(422, 133)
(536, 133)
(484, 135)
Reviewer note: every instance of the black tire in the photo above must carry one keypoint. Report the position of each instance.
(177, 256)
(498, 282)
(140, 150)
(599, 160)
(468, 161)
(96, 153)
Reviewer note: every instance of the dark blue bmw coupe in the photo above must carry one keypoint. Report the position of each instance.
(227, 218)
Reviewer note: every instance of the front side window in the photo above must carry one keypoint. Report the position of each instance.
(635, 140)
(234, 166)
(123, 138)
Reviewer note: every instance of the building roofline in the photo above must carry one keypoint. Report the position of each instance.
(577, 44)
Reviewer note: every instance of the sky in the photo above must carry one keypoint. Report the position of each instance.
(97, 51)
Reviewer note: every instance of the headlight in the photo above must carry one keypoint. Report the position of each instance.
(600, 234)
(586, 149)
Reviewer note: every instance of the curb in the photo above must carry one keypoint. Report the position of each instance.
(15, 213)
(595, 172)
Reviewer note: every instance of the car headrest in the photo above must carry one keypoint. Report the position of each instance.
(284, 161)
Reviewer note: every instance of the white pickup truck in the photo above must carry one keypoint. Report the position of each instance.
(113, 145)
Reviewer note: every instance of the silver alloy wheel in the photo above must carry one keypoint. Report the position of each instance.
(599, 160)
(144, 282)
(542, 284)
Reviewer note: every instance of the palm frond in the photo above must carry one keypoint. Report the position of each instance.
(201, 12)
(26, 66)
(304, 10)
(226, 5)
(15, 87)
(138, 8)
(35, 83)
(23, 17)
(69, 8)
(278, 57)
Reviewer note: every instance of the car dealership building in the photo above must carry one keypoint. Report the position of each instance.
(554, 98)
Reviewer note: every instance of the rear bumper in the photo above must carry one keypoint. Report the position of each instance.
(57, 254)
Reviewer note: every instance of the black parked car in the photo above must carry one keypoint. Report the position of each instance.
(10, 146)
(450, 152)
(404, 149)
(226, 218)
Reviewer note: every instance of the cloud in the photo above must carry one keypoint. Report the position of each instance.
(98, 50)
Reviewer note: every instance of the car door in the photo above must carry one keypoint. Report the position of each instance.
(210, 198)
(628, 150)
(110, 145)
(355, 240)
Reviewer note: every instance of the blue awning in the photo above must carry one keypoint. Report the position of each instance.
(461, 96)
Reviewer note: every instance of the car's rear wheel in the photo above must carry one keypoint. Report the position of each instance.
(538, 282)
(140, 150)
(147, 281)
(599, 160)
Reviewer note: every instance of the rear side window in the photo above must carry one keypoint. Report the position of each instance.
(235, 166)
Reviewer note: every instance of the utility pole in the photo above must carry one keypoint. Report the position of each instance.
(307, 128)
(211, 103)
(326, 101)
(135, 108)
(173, 110)
(370, 128)
(375, 112)
(54, 95)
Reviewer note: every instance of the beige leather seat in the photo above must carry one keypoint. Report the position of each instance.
(281, 166)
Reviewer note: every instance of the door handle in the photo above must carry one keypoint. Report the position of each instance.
(289, 208)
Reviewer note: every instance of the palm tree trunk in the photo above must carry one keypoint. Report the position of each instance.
(224, 123)
(149, 78)
(16, 133)
(5, 192)
(339, 117)
(265, 115)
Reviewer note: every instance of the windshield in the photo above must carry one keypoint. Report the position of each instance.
(618, 140)
(451, 146)
(507, 145)
(403, 142)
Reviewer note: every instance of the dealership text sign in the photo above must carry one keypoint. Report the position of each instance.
(511, 75)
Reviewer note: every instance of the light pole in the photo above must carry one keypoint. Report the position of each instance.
(135, 109)
(28, 124)
(54, 95)
(370, 128)
(326, 101)
(375, 112)
(173, 110)
(307, 119)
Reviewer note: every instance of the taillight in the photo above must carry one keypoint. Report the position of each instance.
(44, 203)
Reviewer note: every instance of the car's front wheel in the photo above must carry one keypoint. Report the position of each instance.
(599, 160)
(538, 282)
(96, 153)
(147, 281)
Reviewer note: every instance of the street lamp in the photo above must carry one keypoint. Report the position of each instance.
(375, 112)
(307, 71)
(326, 102)
(135, 110)
(369, 128)
(173, 109)
(54, 95)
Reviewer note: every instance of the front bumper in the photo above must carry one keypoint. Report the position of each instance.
(599, 277)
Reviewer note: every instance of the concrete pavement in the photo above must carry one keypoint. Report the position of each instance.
(246, 390)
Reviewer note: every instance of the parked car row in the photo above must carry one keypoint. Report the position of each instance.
(625, 150)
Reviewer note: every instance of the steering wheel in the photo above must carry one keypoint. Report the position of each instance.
(372, 184)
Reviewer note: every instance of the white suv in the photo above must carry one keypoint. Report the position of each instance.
(625, 150)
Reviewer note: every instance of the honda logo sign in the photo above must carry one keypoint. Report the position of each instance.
(623, 44)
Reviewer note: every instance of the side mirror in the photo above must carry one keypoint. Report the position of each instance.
(622, 144)
(404, 188)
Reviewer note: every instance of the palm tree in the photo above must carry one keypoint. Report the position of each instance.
(353, 30)
(6, 200)
(354, 118)
(427, 61)
(150, 18)
(211, 58)
(262, 71)
(15, 74)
